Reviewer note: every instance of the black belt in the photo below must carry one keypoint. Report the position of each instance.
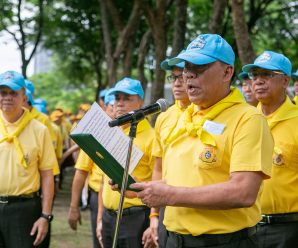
(279, 218)
(17, 198)
(128, 211)
(211, 239)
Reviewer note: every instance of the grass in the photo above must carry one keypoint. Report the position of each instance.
(62, 235)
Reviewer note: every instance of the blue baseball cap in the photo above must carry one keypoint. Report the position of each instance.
(270, 61)
(102, 93)
(40, 101)
(128, 86)
(165, 64)
(206, 49)
(40, 108)
(109, 99)
(243, 75)
(295, 74)
(13, 80)
(30, 86)
(29, 96)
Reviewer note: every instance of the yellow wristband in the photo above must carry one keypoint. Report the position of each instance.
(153, 214)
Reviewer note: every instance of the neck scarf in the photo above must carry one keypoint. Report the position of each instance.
(13, 137)
(196, 129)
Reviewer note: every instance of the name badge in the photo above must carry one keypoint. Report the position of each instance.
(213, 127)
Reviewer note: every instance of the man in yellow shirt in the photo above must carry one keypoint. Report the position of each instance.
(213, 165)
(85, 167)
(271, 75)
(165, 123)
(129, 96)
(246, 88)
(27, 160)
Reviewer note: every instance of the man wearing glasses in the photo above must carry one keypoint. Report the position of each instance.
(164, 125)
(246, 88)
(214, 166)
(271, 74)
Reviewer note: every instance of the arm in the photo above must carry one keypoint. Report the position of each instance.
(68, 152)
(74, 214)
(240, 191)
(47, 186)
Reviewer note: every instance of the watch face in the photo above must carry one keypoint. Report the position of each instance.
(49, 217)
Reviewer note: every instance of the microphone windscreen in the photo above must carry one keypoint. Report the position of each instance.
(163, 104)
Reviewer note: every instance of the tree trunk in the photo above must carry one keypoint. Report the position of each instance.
(215, 24)
(143, 48)
(244, 45)
(179, 26)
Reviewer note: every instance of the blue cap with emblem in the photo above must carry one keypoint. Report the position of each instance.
(165, 64)
(128, 86)
(270, 61)
(12, 80)
(205, 49)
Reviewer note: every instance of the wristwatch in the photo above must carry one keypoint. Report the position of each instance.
(48, 217)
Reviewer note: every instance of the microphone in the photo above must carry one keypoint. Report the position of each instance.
(161, 105)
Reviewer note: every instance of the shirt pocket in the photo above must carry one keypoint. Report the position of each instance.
(289, 156)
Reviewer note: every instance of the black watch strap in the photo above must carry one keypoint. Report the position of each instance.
(48, 217)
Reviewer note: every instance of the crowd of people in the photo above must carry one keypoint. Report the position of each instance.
(219, 167)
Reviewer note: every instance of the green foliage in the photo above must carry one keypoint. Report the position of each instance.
(59, 90)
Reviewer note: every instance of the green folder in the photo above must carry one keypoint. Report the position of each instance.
(102, 158)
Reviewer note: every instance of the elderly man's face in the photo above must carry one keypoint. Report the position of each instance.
(268, 85)
(125, 103)
(207, 84)
(11, 101)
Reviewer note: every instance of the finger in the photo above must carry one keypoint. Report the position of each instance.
(33, 230)
(139, 186)
(38, 238)
(72, 224)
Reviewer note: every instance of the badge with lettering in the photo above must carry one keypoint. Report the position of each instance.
(208, 154)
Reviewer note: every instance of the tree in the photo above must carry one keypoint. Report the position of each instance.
(24, 22)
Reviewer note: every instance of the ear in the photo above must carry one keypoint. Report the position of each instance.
(286, 81)
(228, 73)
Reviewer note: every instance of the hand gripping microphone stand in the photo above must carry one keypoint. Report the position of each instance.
(132, 135)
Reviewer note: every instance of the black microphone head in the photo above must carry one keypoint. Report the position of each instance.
(163, 104)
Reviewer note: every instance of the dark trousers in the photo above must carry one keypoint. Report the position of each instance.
(16, 222)
(162, 231)
(282, 235)
(232, 240)
(131, 228)
(93, 216)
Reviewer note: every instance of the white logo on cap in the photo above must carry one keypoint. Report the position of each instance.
(198, 43)
(263, 58)
(125, 83)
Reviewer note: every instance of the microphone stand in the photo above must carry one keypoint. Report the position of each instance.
(132, 135)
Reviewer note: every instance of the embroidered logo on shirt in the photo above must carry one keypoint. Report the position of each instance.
(26, 157)
(208, 155)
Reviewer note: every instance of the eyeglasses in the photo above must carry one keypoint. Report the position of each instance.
(4, 93)
(173, 78)
(195, 71)
(265, 74)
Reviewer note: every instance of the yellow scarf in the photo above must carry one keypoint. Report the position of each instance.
(34, 113)
(286, 111)
(196, 129)
(14, 136)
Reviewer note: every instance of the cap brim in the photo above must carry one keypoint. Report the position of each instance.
(13, 86)
(125, 91)
(165, 65)
(192, 57)
(249, 67)
(295, 74)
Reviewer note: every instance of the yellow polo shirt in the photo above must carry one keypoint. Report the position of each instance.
(39, 153)
(165, 124)
(245, 144)
(44, 119)
(280, 193)
(85, 163)
(143, 170)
